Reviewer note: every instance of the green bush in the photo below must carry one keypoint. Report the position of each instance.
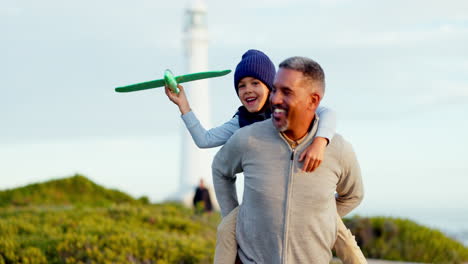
(74, 220)
(75, 190)
(165, 233)
(402, 239)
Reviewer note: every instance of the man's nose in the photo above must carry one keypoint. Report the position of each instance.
(275, 98)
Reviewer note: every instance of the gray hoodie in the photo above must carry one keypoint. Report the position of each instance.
(287, 215)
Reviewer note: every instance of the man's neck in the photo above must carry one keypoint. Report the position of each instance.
(295, 136)
(299, 133)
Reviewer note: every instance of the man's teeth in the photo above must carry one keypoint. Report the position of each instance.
(279, 110)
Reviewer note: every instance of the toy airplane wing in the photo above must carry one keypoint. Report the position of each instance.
(141, 86)
(200, 75)
(171, 81)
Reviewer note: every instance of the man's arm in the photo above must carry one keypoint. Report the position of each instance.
(350, 188)
(226, 163)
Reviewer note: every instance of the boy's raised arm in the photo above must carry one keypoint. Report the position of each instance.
(203, 138)
(214, 137)
(179, 99)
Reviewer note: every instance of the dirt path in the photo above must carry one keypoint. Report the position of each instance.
(375, 261)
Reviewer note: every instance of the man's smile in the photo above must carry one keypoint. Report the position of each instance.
(279, 113)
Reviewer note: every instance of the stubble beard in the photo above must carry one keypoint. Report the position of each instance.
(281, 127)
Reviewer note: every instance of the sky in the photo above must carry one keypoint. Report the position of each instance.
(396, 74)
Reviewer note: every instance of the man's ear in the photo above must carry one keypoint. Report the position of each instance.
(314, 100)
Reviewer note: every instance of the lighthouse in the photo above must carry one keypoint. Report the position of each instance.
(195, 163)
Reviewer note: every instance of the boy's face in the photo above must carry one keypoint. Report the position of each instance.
(253, 94)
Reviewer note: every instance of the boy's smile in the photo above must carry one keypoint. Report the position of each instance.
(253, 94)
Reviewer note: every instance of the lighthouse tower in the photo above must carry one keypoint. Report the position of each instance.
(195, 162)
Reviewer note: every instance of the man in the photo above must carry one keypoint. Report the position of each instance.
(287, 215)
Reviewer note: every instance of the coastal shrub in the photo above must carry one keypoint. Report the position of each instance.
(165, 233)
(74, 220)
(75, 190)
(404, 240)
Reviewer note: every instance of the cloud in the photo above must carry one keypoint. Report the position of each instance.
(263, 4)
(11, 12)
(444, 33)
(446, 93)
(341, 24)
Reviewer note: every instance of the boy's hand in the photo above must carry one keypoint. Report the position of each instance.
(178, 99)
(313, 154)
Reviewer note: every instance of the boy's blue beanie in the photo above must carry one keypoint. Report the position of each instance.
(255, 64)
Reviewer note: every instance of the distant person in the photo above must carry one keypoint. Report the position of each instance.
(202, 199)
(289, 215)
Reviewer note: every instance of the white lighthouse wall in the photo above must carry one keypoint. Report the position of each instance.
(196, 163)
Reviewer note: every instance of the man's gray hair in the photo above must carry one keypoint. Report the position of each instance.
(310, 68)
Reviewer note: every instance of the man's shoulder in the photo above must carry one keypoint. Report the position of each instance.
(339, 144)
(257, 128)
(263, 125)
(341, 148)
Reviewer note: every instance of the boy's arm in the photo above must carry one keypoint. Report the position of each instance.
(209, 138)
(350, 188)
(327, 123)
(179, 99)
(203, 138)
(226, 164)
(313, 155)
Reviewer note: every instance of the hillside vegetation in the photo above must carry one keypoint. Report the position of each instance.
(402, 239)
(74, 220)
(160, 234)
(75, 190)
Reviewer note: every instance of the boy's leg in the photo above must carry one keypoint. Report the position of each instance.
(226, 244)
(346, 247)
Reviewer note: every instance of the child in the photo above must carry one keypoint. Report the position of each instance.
(253, 80)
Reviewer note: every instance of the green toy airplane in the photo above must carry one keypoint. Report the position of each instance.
(170, 81)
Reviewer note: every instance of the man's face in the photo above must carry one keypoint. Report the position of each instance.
(290, 100)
